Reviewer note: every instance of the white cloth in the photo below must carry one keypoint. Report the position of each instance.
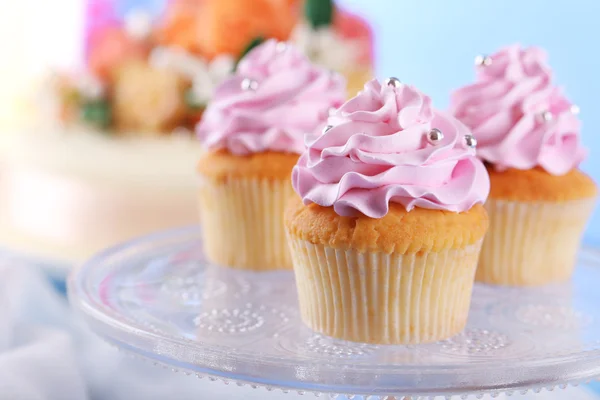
(47, 354)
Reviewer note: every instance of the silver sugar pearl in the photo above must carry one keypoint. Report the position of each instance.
(574, 109)
(546, 116)
(483, 61)
(393, 82)
(470, 141)
(249, 84)
(280, 47)
(435, 136)
(328, 127)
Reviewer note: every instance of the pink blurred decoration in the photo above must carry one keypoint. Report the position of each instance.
(99, 16)
(354, 27)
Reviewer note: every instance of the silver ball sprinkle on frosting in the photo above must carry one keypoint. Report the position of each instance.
(483, 61)
(470, 141)
(328, 127)
(546, 116)
(575, 110)
(435, 136)
(249, 84)
(393, 82)
(280, 47)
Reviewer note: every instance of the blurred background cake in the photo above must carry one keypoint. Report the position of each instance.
(105, 152)
(154, 74)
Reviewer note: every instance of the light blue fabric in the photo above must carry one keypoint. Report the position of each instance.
(46, 353)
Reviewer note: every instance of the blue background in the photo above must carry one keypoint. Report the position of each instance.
(432, 44)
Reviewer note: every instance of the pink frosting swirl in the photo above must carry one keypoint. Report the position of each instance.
(519, 118)
(376, 151)
(274, 99)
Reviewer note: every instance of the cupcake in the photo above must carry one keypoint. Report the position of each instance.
(528, 136)
(253, 131)
(386, 231)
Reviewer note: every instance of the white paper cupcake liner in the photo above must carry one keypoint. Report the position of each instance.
(384, 298)
(242, 220)
(532, 243)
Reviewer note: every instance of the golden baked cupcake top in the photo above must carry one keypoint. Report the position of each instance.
(537, 185)
(398, 231)
(222, 165)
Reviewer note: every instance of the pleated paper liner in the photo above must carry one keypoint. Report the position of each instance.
(531, 244)
(243, 222)
(384, 298)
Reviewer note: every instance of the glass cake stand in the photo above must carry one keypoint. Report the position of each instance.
(158, 298)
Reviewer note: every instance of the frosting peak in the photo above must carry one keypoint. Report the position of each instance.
(274, 99)
(519, 118)
(378, 148)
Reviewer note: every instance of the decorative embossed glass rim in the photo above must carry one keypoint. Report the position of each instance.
(158, 298)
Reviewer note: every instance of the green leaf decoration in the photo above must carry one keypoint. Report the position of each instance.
(253, 43)
(97, 113)
(318, 12)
